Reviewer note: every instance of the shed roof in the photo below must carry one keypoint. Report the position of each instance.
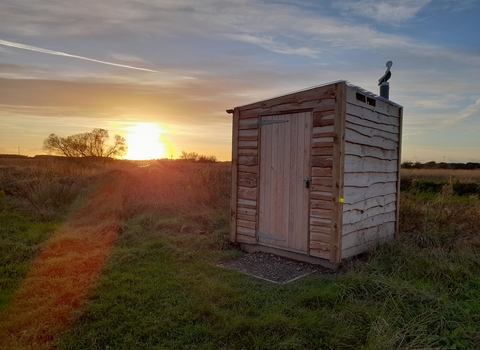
(362, 90)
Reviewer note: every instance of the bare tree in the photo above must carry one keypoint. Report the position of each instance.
(195, 157)
(88, 144)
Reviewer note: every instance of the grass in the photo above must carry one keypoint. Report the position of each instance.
(161, 289)
(21, 238)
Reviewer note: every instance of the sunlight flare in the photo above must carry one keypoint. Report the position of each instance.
(144, 142)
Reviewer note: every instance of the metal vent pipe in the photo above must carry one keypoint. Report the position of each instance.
(385, 90)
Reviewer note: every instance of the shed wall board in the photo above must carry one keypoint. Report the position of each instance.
(372, 141)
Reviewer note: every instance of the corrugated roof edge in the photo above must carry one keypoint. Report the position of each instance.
(366, 92)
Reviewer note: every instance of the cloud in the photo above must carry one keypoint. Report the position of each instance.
(58, 53)
(269, 43)
(386, 11)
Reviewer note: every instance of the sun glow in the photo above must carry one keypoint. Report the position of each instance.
(144, 142)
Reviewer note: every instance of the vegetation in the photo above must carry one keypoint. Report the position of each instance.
(441, 165)
(195, 157)
(161, 289)
(88, 144)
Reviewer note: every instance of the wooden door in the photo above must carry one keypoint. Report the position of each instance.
(284, 167)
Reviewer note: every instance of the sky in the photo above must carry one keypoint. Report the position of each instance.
(162, 72)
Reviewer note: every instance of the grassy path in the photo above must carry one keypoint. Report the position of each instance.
(56, 286)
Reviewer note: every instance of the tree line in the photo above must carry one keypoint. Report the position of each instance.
(442, 165)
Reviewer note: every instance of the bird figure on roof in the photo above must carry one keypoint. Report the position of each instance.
(387, 74)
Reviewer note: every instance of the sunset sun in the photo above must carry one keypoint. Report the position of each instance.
(144, 142)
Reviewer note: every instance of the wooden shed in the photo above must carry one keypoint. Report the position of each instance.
(316, 173)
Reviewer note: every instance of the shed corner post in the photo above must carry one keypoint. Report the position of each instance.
(338, 172)
(399, 171)
(234, 167)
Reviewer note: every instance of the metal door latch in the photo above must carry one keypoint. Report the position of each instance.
(307, 182)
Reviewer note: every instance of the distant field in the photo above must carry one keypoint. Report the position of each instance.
(161, 289)
(444, 175)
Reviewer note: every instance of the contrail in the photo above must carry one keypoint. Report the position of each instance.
(58, 53)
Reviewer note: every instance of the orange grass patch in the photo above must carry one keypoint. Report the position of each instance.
(49, 298)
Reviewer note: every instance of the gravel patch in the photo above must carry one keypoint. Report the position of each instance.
(273, 268)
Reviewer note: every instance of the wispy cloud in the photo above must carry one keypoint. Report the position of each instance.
(58, 53)
(386, 11)
(269, 43)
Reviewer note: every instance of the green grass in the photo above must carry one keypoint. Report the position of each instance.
(161, 289)
(21, 239)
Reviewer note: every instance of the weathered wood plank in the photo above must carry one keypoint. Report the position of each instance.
(368, 164)
(246, 224)
(245, 231)
(248, 152)
(369, 132)
(322, 129)
(354, 216)
(248, 135)
(247, 179)
(248, 144)
(323, 254)
(247, 160)
(324, 181)
(322, 142)
(321, 213)
(369, 235)
(399, 158)
(369, 151)
(320, 195)
(354, 194)
(337, 175)
(321, 237)
(370, 202)
(318, 221)
(248, 168)
(246, 210)
(322, 151)
(245, 203)
(368, 179)
(322, 171)
(317, 245)
(355, 250)
(246, 217)
(233, 196)
(372, 221)
(324, 119)
(321, 188)
(322, 161)
(374, 116)
(246, 239)
(315, 105)
(318, 204)
(297, 98)
(324, 230)
(354, 137)
(247, 193)
(245, 124)
(354, 120)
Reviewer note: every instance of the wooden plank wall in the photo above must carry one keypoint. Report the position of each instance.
(318, 100)
(321, 194)
(247, 179)
(371, 173)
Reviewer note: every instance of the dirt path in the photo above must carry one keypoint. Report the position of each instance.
(51, 295)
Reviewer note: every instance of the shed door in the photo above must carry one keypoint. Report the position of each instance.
(284, 165)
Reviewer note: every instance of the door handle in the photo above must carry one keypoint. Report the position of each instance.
(307, 182)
